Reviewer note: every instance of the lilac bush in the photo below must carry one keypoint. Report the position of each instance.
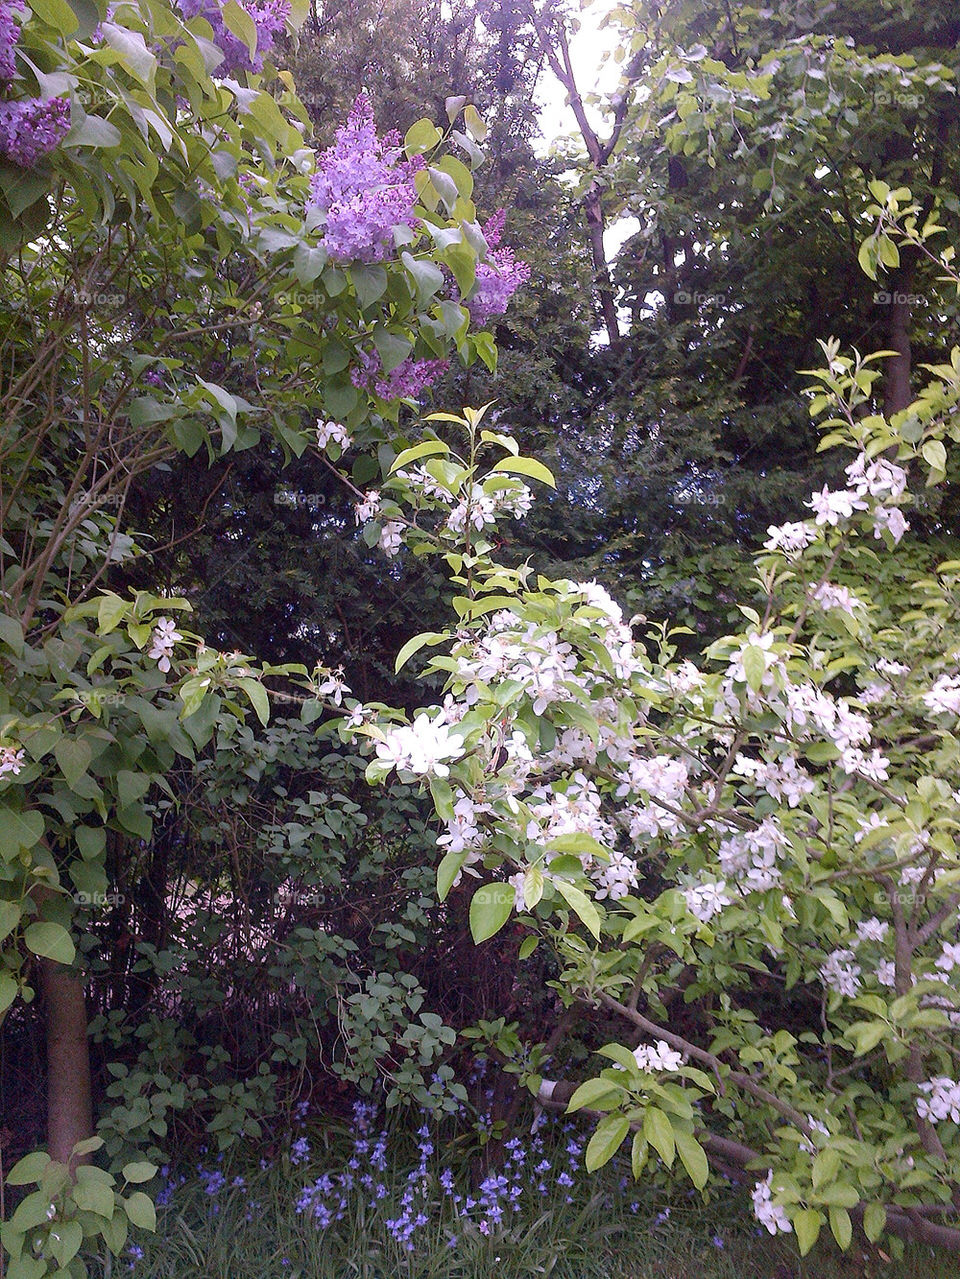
(364, 187)
(9, 34)
(32, 128)
(498, 278)
(269, 18)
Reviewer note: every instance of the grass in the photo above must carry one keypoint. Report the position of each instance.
(609, 1229)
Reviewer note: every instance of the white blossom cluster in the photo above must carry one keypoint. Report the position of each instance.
(332, 433)
(424, 747)
(751, 856)
(941, 1100)
(707, 899)
(944, 697)
(770, 1215)
(165, 635)
(783, 779)
(659, 1056)
(11, 760)
(841, 973)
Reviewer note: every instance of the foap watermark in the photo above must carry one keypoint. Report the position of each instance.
(301, 297)
(98, 299)
(909, 101)
(702, 499)
(683, 298)
(99, 901)
(883, 298)
(312, 501)
(298, 897)
(93, 697)
(94, 501)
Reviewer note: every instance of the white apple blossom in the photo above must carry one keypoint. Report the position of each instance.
(872, 929)
(616, 878)
(838, 972)
(332, 685)
(879, 478)
(658, 1056)
(391, 537)
(423, 747)
(769, 1214)
(332, 433)
(832, 507)
(164, 637)
(11, 760)
(890, 519)
(829, 596)
(367, 508)
(791, 539)
(706, 900)
(941, 1100)
(944, 697)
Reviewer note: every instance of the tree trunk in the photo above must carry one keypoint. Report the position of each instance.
(69, 1101)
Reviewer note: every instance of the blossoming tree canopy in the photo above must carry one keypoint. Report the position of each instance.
(779, 818)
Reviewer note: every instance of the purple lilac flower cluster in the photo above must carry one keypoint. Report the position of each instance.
(9, 34)
(364, 187)
(269, 18)
(498, 278)
(408, 379)
(30, 129)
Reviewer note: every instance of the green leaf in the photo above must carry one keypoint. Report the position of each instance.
(11, 633)
(606, 1141)
(806, 1224)
(580, 904)
(527, 947)
(131, 786)
(754, 666)
(65, 1240)
(94, 1196)
(414, 645)
(658, 1130)
(447, 872)
(426, 275)
(693, 1157)
(935, 455)
(50, 941)
(131, 46)
(525, 466)
(9, 918)
(137, 1172)
(420, 137)
(370, 283)
(867, 257)
(595, 1094)
(874, 1220)
(91, 840)
(28, 1169)
(237, 20)
(139, 1208)
(428, 448)
(474, 123)
(111, 612)
(490, 909)
(841, 1227)
(258, 697)
(8, 991)
(87, 1146)
(56, 13)
(73, 755)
